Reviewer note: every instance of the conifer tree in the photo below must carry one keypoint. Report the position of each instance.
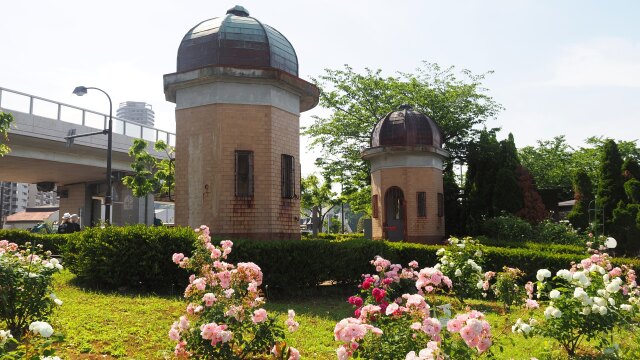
(630, 169)
(610, 185)
(583, 194)
(507, 195)
(480, 179)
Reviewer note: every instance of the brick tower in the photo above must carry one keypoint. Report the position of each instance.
(238, 101)
(406, 159)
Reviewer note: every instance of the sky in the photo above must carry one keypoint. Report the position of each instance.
(559, 67)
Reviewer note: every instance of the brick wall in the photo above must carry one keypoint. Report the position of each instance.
(206, 140)
(410, 180)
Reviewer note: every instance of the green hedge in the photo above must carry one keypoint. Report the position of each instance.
(140, 257)
(556, 248)
(50, 242)
(134, 256)
(339, 237)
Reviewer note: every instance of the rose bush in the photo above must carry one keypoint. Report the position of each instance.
(585, 302)
(389, 324)
(461, 262)
(224, 317)
(37, 344)
(26, 286)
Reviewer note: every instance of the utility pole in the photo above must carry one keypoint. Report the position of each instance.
(1, 205)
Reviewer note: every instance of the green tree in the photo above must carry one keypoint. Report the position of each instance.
(549, 163)
(453, 211)
(358, 100)
(317, 198)
(152, 175)
(610, 186)
(6, 120)
(583, 194)
(631, 169)
(480, 181)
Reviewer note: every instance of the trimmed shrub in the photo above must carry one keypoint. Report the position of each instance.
(50, 242)
(508, 228)
(550, 232)
(133, 256)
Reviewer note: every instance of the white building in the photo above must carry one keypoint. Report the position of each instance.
(138, 112)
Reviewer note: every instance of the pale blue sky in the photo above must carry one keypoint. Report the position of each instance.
(561, 67)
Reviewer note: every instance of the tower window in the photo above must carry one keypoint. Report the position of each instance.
(440, 205)
(374, 206)
(422, 204)
(288, 175)
(244, 173)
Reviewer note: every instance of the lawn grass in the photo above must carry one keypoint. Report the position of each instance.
(107, 325)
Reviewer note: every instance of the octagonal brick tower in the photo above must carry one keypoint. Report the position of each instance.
(406, 159)
(238, 101)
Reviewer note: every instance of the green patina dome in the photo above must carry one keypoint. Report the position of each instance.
(236, 40)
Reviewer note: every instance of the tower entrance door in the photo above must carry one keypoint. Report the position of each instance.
(395, 214)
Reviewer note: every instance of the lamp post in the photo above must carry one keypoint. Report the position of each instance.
(82, 90)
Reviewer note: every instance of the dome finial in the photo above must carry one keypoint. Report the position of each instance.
(238, 11)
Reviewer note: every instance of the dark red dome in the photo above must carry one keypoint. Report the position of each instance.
(406, 127)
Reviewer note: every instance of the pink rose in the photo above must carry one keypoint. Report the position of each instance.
(177, 257)
(259, 316)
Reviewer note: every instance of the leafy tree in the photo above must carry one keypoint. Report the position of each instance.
(549, 162)
(583, 194)
(6, 119)
(358, 100)
(610, 186)
(151, 174)
(317, 198)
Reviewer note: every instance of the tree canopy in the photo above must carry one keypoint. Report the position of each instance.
(457, 101)
(6, 120)
(151, 174)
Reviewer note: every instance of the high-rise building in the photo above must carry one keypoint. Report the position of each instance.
(136, 111)
(13, 198)
(41, 198)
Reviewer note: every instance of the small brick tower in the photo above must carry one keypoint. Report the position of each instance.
(238, 101)
(406, 158)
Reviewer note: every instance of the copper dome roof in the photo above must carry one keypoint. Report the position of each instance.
(406, 127)
(236, 40)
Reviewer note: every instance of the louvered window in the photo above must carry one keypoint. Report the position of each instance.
(288, 175)
(422, 203)
(244, 173)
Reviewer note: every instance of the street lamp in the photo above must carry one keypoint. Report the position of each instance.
(82, 90)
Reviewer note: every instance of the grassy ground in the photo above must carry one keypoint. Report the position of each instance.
(100, 325)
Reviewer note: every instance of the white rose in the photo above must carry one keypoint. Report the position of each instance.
(554, 294)
(41, 327)
(556, 313)
(611, 243)
(586, 310)
(565, 274)
(480, 284)
(543, 273)
(626, 307)
(458, 272)
(603, 310)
